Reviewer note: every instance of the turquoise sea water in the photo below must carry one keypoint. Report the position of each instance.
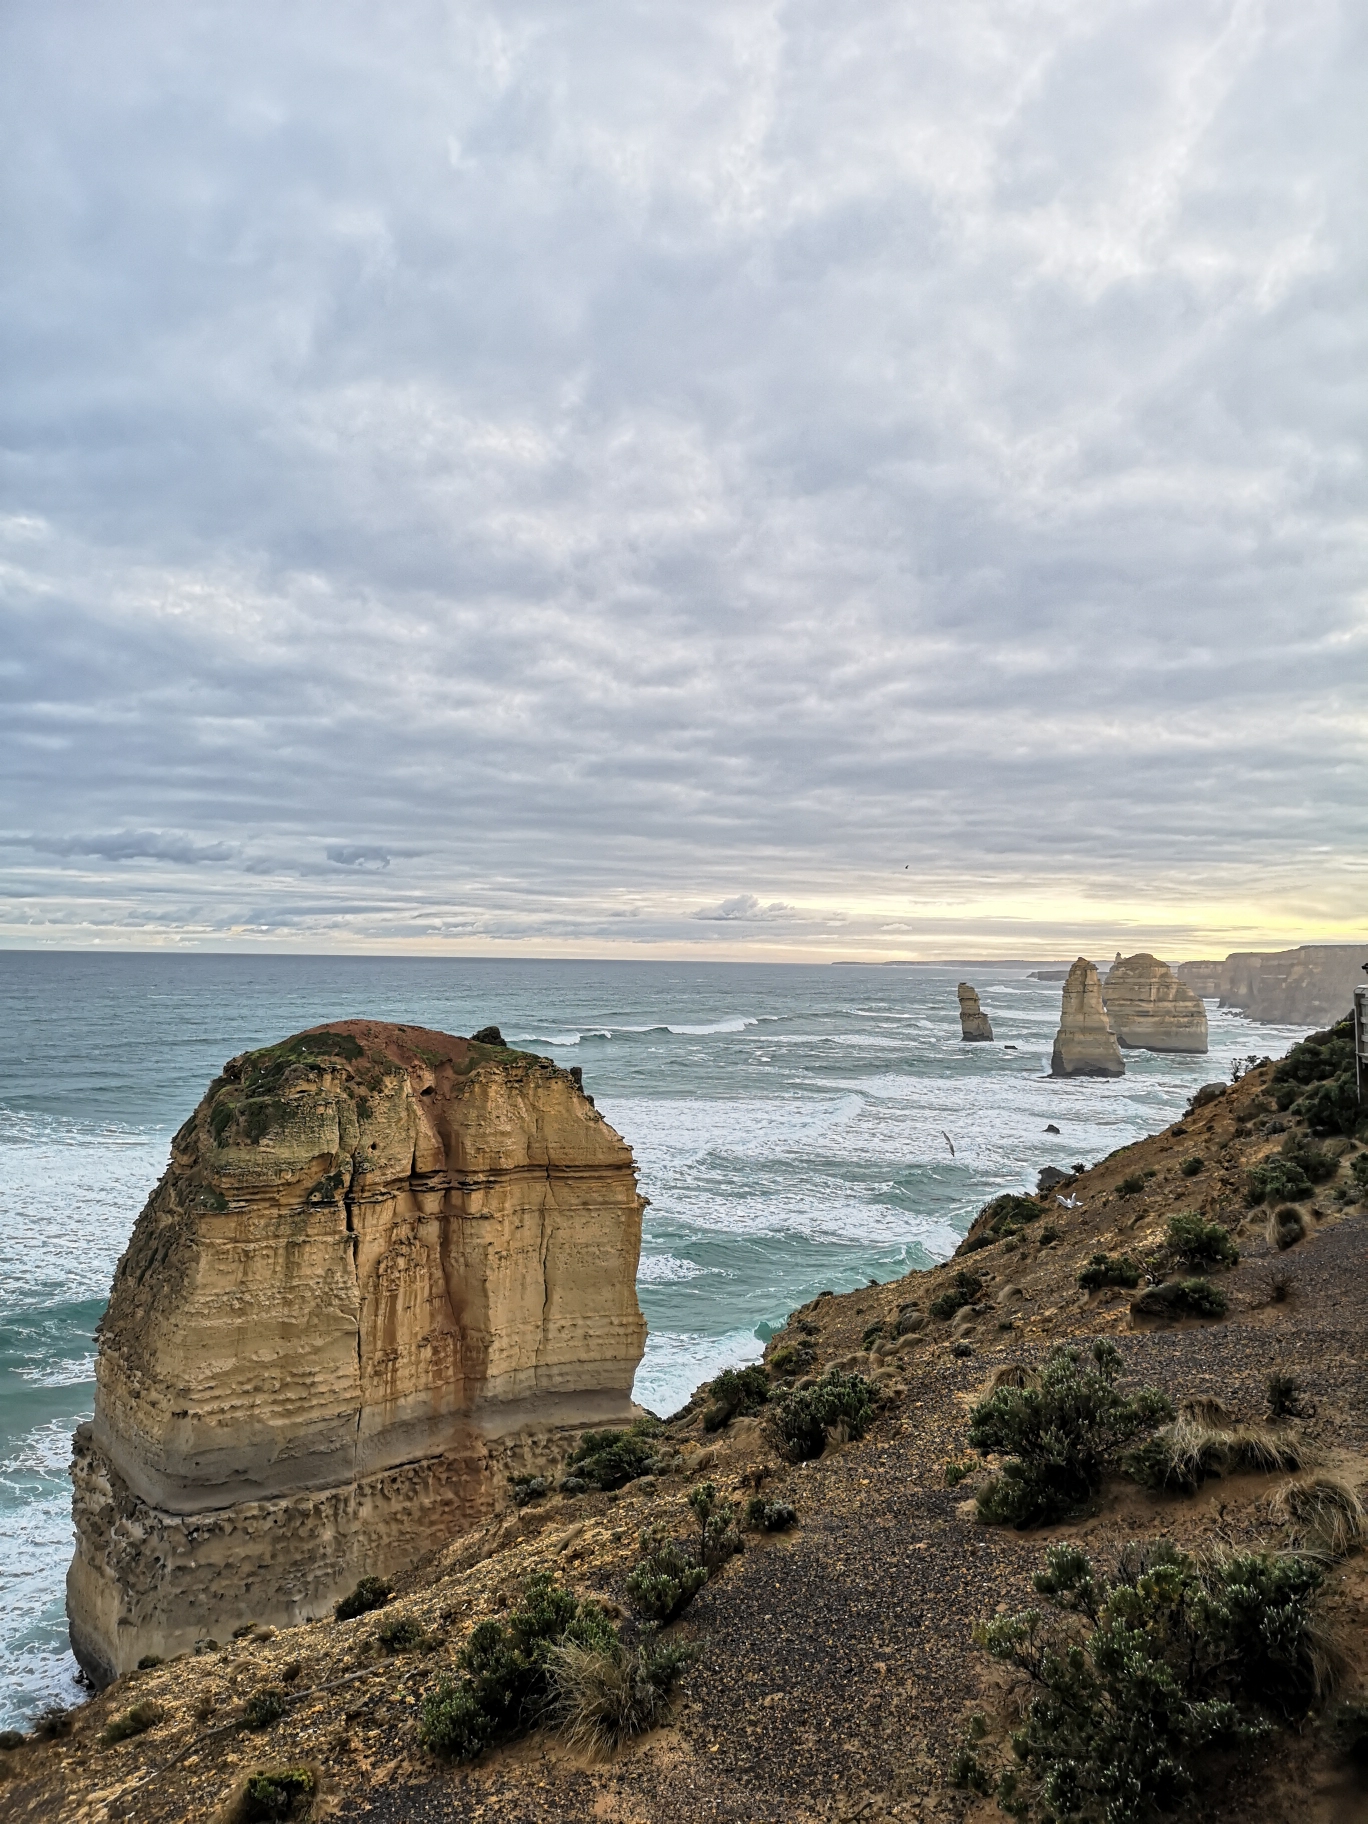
(792, 1124)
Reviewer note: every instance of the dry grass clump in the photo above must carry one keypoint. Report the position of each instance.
(1324, 1514)
(606, 1693)
(1192, 1450)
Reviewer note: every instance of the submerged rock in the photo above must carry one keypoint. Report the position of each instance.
(1150, 1009)
(1085, 1045)
(386, 1270)
(974, 1023)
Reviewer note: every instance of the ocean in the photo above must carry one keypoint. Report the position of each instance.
(796, 1127)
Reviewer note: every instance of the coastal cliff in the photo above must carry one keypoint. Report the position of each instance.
(1150, 1009)
(1308, 986)
(385, 1269)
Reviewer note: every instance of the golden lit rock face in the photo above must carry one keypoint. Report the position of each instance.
(1085, 1045)
(1150, 1009)
(385, 1269)
(975, 1026)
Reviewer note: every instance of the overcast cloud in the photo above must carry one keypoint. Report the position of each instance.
(751, 478)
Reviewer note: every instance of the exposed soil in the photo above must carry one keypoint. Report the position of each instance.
(836, 1667)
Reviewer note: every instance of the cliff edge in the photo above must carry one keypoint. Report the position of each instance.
(385, 1269)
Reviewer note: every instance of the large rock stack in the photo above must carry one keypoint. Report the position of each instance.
(975, 1026)
(1150, 1009)
(386, 1269)
(1085, 1045)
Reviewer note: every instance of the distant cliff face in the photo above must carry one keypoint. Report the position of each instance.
(385, 1267)
(1310, 986)
(1150, 1009)
(1085, 1045)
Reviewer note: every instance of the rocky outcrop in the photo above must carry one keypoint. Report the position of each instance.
(385, 1270)
(1085, 1045)
(1150, 1009)
(975, 1027)
(1312, 985)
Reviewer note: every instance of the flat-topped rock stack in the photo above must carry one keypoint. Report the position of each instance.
(975, 1026)
(1085, 1045)
(385, 1269)
(1150, 1009)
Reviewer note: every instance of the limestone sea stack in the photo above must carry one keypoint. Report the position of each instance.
(1150, 1009)
(975, 1027)
(1085, 1045)
(385, 1270)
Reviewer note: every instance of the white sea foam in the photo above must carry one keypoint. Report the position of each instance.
(669, 1269)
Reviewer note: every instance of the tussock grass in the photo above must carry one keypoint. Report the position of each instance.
(605, 1694)
(1324, 1514)
(1193, 1450)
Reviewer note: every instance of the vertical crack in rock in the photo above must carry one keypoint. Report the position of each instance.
(284, 1401)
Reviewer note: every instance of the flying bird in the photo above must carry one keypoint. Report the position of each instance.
(949, 1142)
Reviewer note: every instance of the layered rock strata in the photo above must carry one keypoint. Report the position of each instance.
(1312, 985)
(1150, 1009)
(1085, 1045)
(385, 1270)
(975, 1026)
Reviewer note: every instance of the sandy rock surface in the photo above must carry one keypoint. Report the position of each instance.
(1085, 1045)
(1150, 1009)
(385, 1269)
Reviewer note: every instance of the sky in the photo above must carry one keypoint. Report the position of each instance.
(729, 479)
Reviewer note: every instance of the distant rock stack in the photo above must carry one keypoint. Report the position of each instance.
(386, 1270)
(975, 1028)
(1085, 1045)
(1150, 1009)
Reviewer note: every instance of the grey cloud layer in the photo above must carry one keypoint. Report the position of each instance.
(851, 465)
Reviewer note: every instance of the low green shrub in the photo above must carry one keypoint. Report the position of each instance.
(1181, 1298)
(1317, 1079)
(506, 1685)
(402, 1634)
(529, 1488)
(769, 1516)
(137, 1721)
(718, 1538)
(801, 1423)
(1132, 1185)
(1301, 1150)
(1140, 1678)
(277, 1793)
(370, 1593)
(1358, 1173)
(872, 1335)
(1006, 1215)
(1061, 1435)
(735, 1391)
(10, 1739)
(610, 1459)
(964, 1291)
(910, 1321)
(1277, 1180)
(264, 1707)
(1109, 1270)
(1191, 1166)
(955, 1473)
(150, 1661)
(1201, 1243)
(665, 1580)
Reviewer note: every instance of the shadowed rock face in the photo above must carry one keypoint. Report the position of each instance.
(975, 1026)
(385, 1269)
(1150, 1009)
(1310, 986)
(1085, 1045)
